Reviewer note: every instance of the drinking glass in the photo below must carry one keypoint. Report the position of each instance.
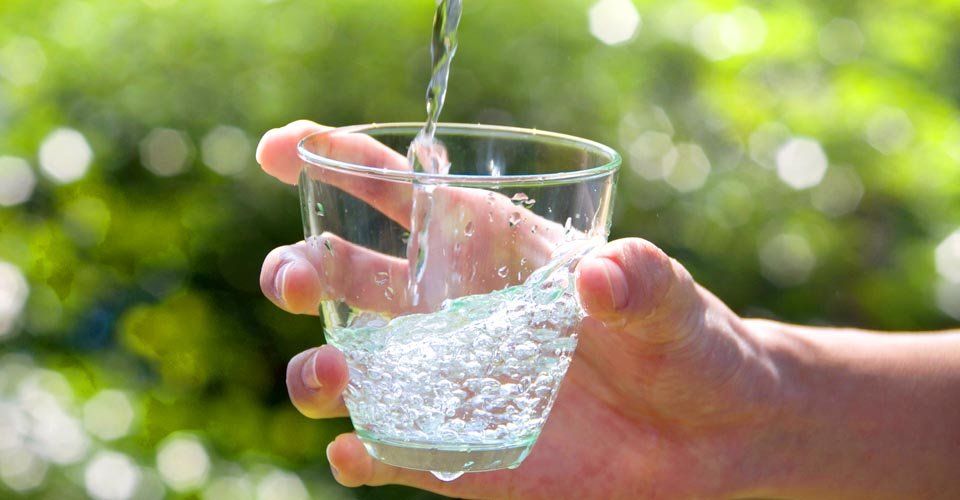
(452, 296)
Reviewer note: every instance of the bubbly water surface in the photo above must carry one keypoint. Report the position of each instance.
(483, 370)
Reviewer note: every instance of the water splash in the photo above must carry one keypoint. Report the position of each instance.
(426, 154)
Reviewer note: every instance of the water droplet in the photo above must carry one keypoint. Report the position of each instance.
(381, 278)
(515, 218)
(320, 210)
(529, 203)
(469, 229)
(457, 248)
(389, 293)
(405, 237)
(523, 261)
(533, 230)
(502, 272)
(490, 215)
(567, 226)
(446, 476)
(490, 197)
(328, 246)
(519, 198)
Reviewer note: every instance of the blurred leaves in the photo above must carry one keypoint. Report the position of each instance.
(143, 273)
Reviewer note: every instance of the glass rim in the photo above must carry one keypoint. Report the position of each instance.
(610, 166)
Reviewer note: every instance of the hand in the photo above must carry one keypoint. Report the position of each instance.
(668, 394)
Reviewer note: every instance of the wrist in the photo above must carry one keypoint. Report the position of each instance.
(780, 455)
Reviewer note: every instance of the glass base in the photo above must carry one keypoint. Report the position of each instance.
(450, 460)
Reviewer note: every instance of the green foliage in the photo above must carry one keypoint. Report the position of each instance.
(149, 283)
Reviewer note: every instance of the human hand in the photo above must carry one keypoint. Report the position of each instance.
(668, 393)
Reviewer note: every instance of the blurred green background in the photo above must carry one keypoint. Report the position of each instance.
(801, 158)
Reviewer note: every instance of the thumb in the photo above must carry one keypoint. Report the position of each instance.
(631, 284)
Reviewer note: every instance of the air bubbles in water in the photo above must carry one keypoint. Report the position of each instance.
(568, 226)
(469, 229)
(519, 198)
(381, 278)
(320, 210)
(328, 246)
(446, 476)
(502, 272)
(515, 218)
(490, 197)
(389, 293)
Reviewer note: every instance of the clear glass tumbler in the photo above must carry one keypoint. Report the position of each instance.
(452, 295)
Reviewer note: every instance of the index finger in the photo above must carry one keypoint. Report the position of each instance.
(277, 154)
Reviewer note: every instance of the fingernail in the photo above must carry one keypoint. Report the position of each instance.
(617, 281)
(279, 280)
(309, 374)
(333, 469)
(263, 140)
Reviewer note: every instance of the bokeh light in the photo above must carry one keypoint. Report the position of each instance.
(230, 488)
(183, 462)
(111, 476)
(108, 414)
(647, 153)
(16, 181)
(889, 130)
(22, 61)
(686, 167)
(13, 295)
(165, 152)
(281, 485)
(65, 155)
(614, 21)
(787, 259)
(226, 150)
(21, 469)
(947, 257)
(841, 41)
(720, 36)
(839, 193)
(801, 163)
(825, 137)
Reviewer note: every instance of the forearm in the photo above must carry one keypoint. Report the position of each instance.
(864, 415)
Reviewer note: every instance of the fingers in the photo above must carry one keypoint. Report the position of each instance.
(297, 277)
(277, 154)
(352, 466)
(277, 151)
(315, 379)
(631, 283)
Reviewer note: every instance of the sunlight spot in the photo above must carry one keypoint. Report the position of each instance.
(614, 21)
(801, 163)
(281, 485)
(183, 462)
(22, 61)
(111, 476)
(16, 181)
(108, 414)
(686, 167)
(889, 130)
(13, 296)
(226, 150)
(787, 259)
(841, 41)
(65, 155)
(165, 151)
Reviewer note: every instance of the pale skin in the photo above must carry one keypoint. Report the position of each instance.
(670, 393)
